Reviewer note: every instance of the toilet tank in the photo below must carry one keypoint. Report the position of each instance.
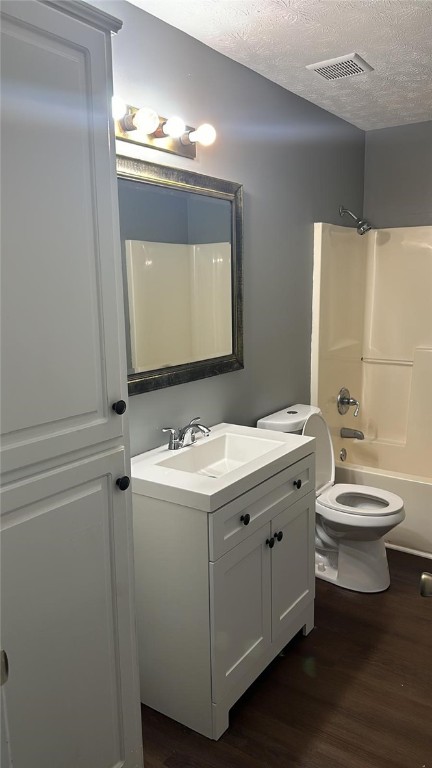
(289, 419)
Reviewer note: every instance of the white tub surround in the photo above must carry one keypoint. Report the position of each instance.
(372, 333)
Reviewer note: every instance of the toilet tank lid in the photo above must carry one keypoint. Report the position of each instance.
(289, 419)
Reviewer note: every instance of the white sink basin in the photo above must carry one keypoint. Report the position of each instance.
(218, 468)
(226, 452)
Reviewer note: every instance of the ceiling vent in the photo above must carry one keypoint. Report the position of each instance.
(343, 66)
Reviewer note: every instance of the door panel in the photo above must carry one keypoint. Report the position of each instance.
(61, 357)
(240, 610)
(61, 567)
(293, 572)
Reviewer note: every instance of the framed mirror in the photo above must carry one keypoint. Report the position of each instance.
(182, 242)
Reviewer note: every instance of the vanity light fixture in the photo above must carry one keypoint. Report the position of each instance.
(204, 135)
(174, 127)
(145, 120)
(144, 126)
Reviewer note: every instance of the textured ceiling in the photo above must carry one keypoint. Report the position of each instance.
(277, 38)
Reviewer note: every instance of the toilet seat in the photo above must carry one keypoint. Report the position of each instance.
(360, 501)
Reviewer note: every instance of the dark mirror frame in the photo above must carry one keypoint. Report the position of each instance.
(180, 179)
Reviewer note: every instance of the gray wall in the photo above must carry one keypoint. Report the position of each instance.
(209, 220)
(398, 176)
(297, 163)
(150, 213)
(160, 215)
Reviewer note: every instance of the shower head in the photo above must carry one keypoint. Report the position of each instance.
(362, 225)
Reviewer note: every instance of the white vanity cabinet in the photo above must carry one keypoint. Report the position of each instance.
(70, 698)
(255, 594)
(220, 594)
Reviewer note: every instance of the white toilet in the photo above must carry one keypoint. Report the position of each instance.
(350, 519)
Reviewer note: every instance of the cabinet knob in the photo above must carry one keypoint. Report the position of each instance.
(123, 482)
(297, 483)
(270, 542)
(119, 407)
(279, 535)
(245, 519)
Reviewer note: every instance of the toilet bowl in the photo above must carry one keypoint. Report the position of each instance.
(351, 520)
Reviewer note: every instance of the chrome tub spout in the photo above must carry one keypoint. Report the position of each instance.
(354, 433)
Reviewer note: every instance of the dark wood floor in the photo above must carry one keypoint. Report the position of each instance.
(355, 693)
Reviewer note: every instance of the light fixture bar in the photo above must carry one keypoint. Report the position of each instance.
(156, 140)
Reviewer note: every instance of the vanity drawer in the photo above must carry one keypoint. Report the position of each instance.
(258, 506)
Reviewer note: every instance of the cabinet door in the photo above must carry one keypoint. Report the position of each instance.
(240, 612)
(293, 570)
(62, 358)
(71, 698)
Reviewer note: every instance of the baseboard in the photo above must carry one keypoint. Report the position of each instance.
(409, 551)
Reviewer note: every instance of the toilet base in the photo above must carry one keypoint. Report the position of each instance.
(357, 565)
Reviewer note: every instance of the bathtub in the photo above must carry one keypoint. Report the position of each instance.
(415, 533)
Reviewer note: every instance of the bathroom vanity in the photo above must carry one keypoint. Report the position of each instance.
(224, 558)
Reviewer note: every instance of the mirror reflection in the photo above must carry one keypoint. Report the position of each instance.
(181, 254)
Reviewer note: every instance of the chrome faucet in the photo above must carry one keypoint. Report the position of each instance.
(344, 400)
(355, 433)
(181, 438)
(187, 435)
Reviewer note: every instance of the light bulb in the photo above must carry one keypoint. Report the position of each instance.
(205, 134)
(146, 120)
(118, 107)
(174, 127)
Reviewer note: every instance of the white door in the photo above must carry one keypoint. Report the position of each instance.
(240, 611)
(293, 572)
(66, 619)
(60, 341)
